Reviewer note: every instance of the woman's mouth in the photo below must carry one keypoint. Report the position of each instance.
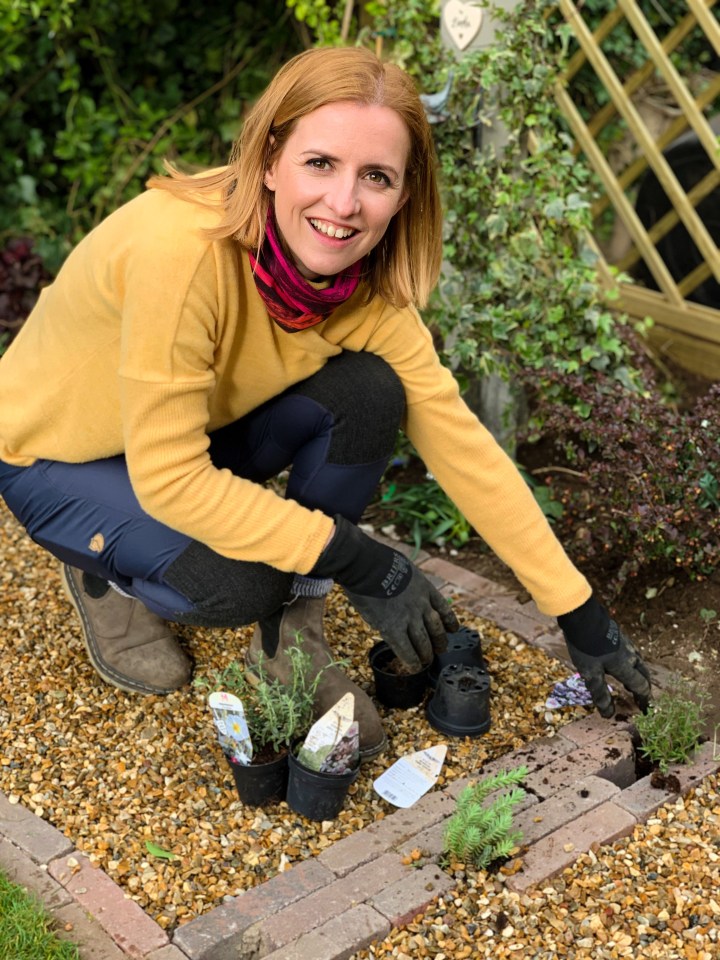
(329, 230)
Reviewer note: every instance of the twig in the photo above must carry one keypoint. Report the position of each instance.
(571, 473)
(171, 121)
(123, 102)
(347, 17)
(28, 85)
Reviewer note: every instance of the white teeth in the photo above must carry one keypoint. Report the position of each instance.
(327, 228)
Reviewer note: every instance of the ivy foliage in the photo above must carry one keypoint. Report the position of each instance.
(520, 287)
(93, 95)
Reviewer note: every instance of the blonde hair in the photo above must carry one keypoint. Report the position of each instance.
(405, 265)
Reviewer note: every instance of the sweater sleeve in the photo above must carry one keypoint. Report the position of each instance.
(166, 381)
(472, 468)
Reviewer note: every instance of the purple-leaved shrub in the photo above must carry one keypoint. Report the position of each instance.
(643, 478)
(22, 275)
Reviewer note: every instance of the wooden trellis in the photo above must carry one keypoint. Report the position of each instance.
(671, 238)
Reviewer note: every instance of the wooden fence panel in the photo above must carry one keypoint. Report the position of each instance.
(665, 198)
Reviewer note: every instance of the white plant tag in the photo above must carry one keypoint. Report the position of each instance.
(463, 22)
(232, 729)
(326, 732)
(345, 755)
(412, 776)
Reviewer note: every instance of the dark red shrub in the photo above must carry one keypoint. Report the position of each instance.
(643, 485)
(22, 276)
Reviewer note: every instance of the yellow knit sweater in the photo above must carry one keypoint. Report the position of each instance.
(152, 335)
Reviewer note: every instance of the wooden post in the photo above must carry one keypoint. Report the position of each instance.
(466, 27)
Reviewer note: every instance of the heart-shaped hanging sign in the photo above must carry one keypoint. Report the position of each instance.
(463, 22)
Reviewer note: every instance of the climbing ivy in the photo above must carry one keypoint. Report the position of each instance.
(520, 287)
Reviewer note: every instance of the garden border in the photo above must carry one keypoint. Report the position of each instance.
(582, 792)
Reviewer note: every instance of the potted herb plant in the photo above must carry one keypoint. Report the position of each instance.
(324, 766)
(256, 733)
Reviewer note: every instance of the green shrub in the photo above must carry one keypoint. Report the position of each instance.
(427, 512)
(479, 832)
(644, 485)
(672, 727)
(93, 95)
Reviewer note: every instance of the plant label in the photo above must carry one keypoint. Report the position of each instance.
(345, 755)
(570, 692)
(410, 777)
(231, 726)
(327, 732)
(463, 22)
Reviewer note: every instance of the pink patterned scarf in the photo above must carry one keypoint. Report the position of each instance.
(292, 302)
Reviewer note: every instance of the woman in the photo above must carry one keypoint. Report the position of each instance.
(217, 329)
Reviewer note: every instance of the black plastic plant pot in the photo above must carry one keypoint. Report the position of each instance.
(393, 687)
(317, 796)
(460, 706)
(463, 648)
(261, 784)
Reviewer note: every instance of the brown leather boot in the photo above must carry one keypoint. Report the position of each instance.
(304, 615)
(130, 647)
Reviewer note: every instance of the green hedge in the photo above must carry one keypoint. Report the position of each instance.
(93, 95)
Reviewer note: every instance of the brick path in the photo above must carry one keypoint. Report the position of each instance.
(582, 791)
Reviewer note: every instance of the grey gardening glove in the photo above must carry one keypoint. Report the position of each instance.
(597, 646)
(389, 593)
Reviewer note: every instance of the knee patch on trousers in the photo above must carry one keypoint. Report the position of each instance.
(225, 592)
(367, 402)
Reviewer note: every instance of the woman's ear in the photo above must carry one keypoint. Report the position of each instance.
(269, 178)
(402, 201)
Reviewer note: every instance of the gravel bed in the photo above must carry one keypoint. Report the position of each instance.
(113, 771)
(655, 894)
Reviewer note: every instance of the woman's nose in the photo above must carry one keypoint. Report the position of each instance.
(343, 197)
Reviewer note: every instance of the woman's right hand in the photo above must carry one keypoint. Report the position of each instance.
(389, 593)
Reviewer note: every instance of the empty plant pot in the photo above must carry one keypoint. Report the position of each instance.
(464, 648)
(394, 686)
(259, 784)
(460, 705)
(315, 795)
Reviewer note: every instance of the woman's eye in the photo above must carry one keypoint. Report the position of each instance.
(377, 176)
(317, 163)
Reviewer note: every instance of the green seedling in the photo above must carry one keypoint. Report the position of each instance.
(672, 727)
(480, 831)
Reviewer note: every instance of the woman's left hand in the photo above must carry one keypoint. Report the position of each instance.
(597, 646)
(622, 662)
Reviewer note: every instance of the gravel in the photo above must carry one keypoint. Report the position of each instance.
(114, 771)
(655, 894)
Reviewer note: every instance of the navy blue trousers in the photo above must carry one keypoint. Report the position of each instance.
(335, 432)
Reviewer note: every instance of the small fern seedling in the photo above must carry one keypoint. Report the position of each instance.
(480, 832)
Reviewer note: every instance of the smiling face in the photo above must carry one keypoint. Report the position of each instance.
(338, 181)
